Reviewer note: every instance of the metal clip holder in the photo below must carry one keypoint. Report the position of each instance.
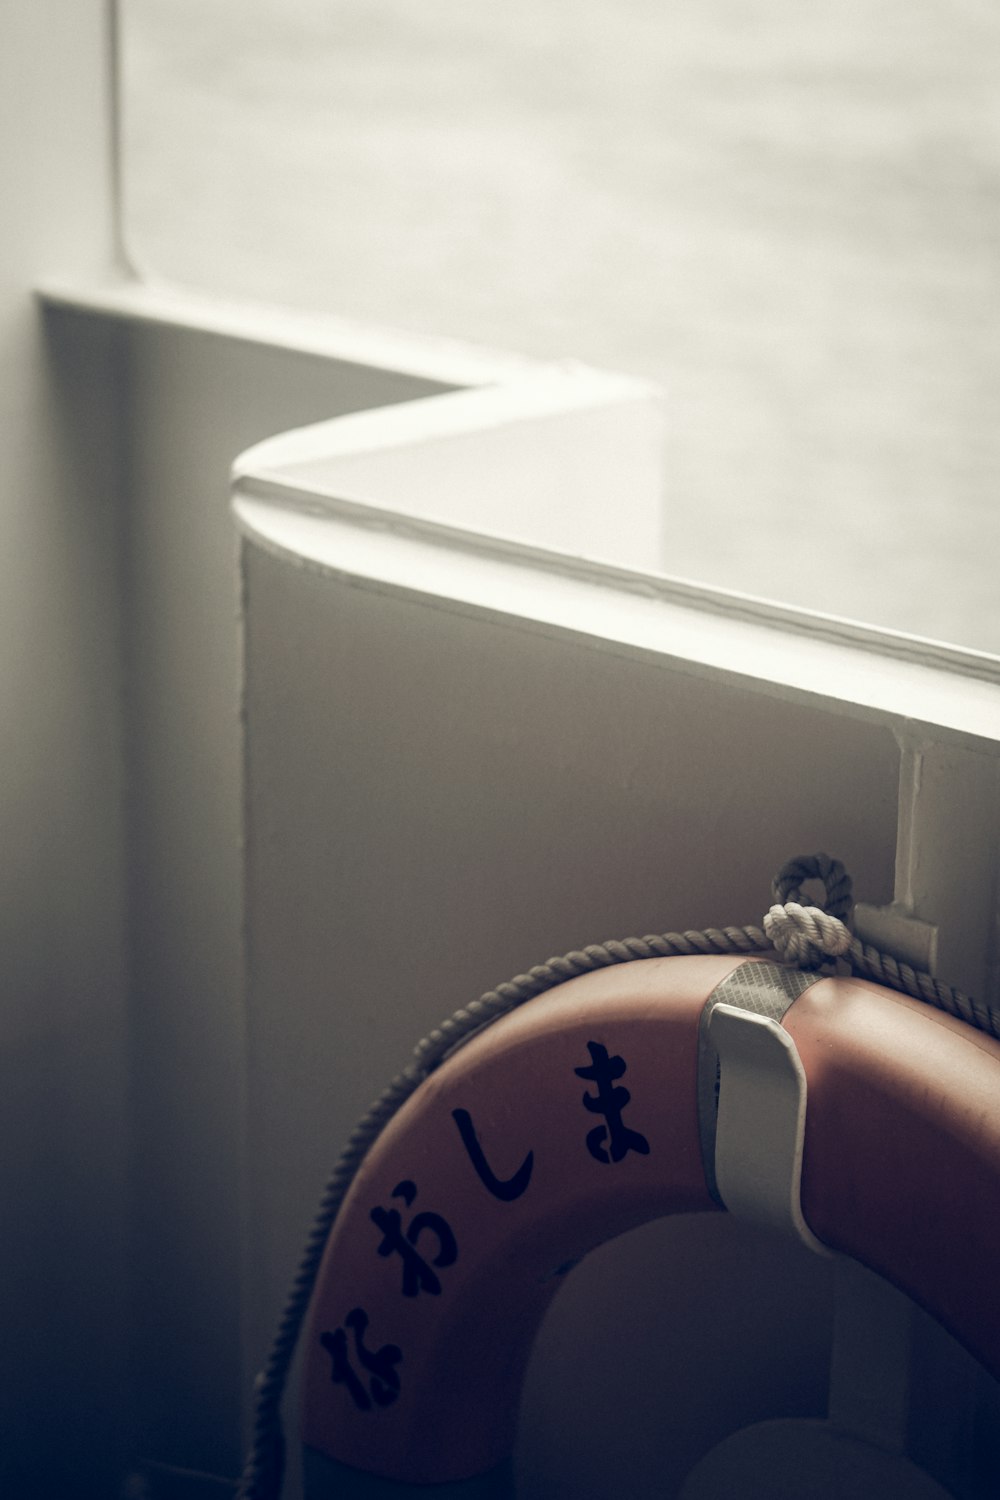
(760, 1125)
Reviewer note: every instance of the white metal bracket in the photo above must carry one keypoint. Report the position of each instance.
(761, 1122)
(893, 929)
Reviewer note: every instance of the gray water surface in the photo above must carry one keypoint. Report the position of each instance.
(786, 215)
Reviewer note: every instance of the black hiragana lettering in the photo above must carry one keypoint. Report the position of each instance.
(504, 1188)
(380, 1364)
(417, 1273)
(609, 1142)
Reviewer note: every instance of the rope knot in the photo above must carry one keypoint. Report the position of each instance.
(805, 935)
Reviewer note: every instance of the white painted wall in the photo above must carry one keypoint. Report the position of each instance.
(194, 400)
(435, 802)
(62, 1034)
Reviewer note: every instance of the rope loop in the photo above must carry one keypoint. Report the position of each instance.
(787, 884)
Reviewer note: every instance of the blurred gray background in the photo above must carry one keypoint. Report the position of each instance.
(786, 215)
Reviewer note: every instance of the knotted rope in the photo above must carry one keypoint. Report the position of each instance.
(809, 936)
(805, 936)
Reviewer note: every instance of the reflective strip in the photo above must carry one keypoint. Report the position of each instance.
(766, 989)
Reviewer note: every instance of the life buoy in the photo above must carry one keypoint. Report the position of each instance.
(582, 1115)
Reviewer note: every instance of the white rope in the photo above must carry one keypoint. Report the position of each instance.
(805, 936)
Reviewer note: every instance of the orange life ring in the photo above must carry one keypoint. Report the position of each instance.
(575, 1118)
